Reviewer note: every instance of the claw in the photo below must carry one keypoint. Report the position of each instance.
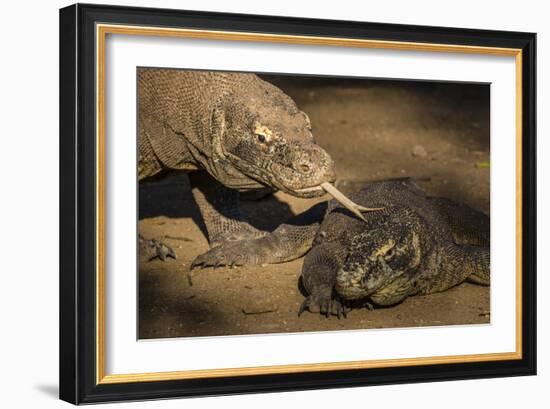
(172, 253)
(223, 254)
(161, 254)
(158, 249)
(368, 306)
(324, 304)
(328, 308)
(304, 306)
(235, 261)
(197, 263)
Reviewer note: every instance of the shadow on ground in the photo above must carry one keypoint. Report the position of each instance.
(52, 391)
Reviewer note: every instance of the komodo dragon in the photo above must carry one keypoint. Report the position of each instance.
(235, 132)
(416, 245)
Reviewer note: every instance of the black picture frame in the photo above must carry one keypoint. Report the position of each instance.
(78, 359)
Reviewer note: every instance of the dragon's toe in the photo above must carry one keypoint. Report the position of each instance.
(154, 248)
(324, 303)
(226, 254)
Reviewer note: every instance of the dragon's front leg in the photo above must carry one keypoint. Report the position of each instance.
(233, 241)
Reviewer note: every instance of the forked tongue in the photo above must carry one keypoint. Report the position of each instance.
(348, 203)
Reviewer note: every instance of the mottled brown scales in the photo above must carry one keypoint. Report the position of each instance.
(416, 245)
(235, 132)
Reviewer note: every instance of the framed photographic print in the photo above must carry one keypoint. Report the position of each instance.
(256, 203)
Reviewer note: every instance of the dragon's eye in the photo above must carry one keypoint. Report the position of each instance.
(261, 138)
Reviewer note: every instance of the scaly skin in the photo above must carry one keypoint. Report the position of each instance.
(287, 242)
(416, 245)
(241, 132)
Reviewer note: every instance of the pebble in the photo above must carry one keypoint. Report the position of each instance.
(259, 307)
(419, 151)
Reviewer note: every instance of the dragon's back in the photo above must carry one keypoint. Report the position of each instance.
(185, 98)
(175, 110)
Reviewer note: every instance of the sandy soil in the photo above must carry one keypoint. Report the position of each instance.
(373, 130)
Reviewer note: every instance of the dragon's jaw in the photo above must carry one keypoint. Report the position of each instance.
(314, 191)
(361, 278)
(349, 283)
(373, 275)
(317, 190)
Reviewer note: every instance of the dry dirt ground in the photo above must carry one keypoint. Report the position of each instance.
(438, 133)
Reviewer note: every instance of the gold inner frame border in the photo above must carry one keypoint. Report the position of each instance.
(102, 30)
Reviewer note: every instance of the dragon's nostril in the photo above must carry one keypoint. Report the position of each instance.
(304, 167)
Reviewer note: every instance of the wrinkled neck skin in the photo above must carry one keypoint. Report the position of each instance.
(209, 154)
(288, 160)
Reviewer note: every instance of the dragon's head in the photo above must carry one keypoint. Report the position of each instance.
(267, 141)
(378, 257)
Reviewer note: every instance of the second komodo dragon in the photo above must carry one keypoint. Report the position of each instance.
(416, 245)
(234, 132)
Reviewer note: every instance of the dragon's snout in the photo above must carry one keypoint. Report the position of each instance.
(350, 283)
(312, 164)
(307, 167)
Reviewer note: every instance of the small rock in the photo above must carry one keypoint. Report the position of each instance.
(419, 151)
(259, 307)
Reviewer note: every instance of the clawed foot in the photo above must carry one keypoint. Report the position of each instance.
(367, 305)
(230, 253)
(153, 248)
(324, 303)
